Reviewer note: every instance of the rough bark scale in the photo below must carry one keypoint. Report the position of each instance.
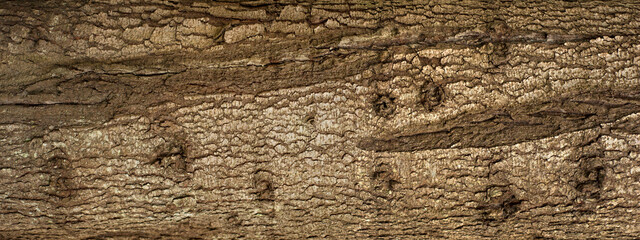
(319, 119)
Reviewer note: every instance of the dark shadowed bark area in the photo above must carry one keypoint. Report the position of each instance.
(339, 119)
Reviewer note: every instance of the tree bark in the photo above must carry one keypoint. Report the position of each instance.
(320, 119)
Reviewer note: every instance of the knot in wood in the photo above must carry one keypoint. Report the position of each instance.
(431, 95)
(384, 105)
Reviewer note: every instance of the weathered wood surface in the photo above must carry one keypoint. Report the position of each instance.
(319, 119)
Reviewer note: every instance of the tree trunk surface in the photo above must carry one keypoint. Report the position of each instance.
(338, 119)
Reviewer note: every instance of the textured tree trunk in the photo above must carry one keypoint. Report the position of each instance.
(325, 119)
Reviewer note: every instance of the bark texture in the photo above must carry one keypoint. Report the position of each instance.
(319, 119)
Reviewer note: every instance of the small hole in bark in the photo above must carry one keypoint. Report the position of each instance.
(234, 219)
(506, 204)
(263, 185)
(57, 162)
(384, 178)
(499, 30)
(384, 105)
(60, 179)
(510, 206)
(499, 54)
(434, 62)
(170, 155)
(540, 236)
(310, 118)
(431, 95)
(590, 177)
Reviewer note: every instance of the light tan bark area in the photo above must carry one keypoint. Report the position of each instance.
(323, 119)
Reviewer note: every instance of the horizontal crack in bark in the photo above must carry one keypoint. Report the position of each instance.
(471, 38)
(510, 127)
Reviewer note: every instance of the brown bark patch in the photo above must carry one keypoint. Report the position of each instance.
(590, 178)
(61, 179)
(384, 105)
(432, 95)
(500, 206)
(170, 155)
(263, 185)
(384, 179)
